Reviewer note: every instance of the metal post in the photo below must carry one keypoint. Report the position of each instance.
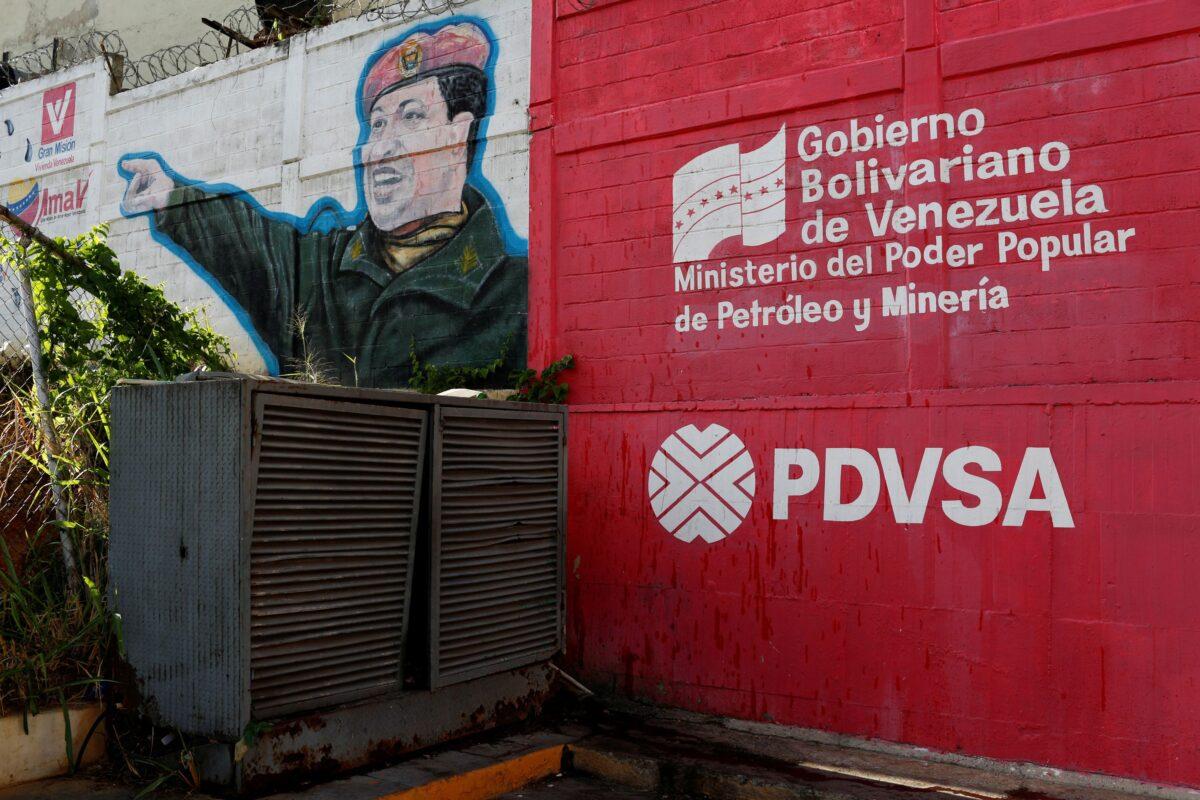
(115, 62)
(46, 421)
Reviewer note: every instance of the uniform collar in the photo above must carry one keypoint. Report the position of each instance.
(454, 272)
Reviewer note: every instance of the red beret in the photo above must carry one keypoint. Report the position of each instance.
(461, 43)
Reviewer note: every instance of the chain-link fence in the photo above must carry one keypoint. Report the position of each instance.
(16, 314)
(14, 332)
(245, 28)
(29, 493)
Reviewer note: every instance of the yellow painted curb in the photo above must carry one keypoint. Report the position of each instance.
(489, 782)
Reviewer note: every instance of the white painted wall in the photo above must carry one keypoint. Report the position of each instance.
(278, 122)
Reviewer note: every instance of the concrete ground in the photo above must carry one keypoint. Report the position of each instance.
(637, 754)
(555, 788)
(81, 788)
(578, 788)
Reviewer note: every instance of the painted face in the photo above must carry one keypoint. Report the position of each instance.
(415, 156)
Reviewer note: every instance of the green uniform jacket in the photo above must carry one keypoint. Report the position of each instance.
(461, 305)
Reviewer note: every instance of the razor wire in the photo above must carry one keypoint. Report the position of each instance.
(62, 53)
(245, 28)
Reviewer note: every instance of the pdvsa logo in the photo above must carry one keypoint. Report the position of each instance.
(971, 473)
(701, 483)
(726, 193)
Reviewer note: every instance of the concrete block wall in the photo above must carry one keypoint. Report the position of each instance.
(824, 603)
(220, 124)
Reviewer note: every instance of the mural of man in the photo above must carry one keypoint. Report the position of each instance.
(426, 267)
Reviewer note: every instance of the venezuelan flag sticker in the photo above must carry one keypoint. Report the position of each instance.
(23, 199)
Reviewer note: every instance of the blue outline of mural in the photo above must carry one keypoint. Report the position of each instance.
(327, 214)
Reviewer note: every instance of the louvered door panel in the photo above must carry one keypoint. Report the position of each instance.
(337, 491)
(498, 480)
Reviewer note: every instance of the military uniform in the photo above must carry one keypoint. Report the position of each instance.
(463, 304)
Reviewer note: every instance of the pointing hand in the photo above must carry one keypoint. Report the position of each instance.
(149, 186)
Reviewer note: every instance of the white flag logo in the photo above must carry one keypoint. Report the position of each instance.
(724, 193)
(57, 112)
(701, 483)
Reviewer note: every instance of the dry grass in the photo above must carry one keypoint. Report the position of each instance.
(51, 648)
(22, 485)
(52, 642)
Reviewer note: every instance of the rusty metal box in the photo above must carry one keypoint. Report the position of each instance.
(272, 540)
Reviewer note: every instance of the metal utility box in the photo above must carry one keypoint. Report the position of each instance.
(282, 549)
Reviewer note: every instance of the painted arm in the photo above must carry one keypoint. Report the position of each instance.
(250, 255)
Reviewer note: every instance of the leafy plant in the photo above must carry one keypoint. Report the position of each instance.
(250, 735)
(99, 324)
(543, 387)
(529, 386)
(52, 642)
(154, 756)
(432, 379)
(178, 765)
(96, 325)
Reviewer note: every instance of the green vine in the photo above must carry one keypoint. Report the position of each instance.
(433, 379)
(526, 385)
(543, 387)
(121, 328)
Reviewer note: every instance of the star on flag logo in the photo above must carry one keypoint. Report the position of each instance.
(724, 193)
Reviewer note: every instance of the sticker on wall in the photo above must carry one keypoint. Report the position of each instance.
(10, 131)
(57, 148)
(23, 198)
(701, 483)
(426, 266)
(38, 203)
(43, 131)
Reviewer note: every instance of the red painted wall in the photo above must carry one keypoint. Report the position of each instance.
(1074, 646)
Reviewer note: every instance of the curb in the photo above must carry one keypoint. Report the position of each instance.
(727, 776)
(490, 781)
(636, 772)
(686, 777)
(689, 776)
(856, 758)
